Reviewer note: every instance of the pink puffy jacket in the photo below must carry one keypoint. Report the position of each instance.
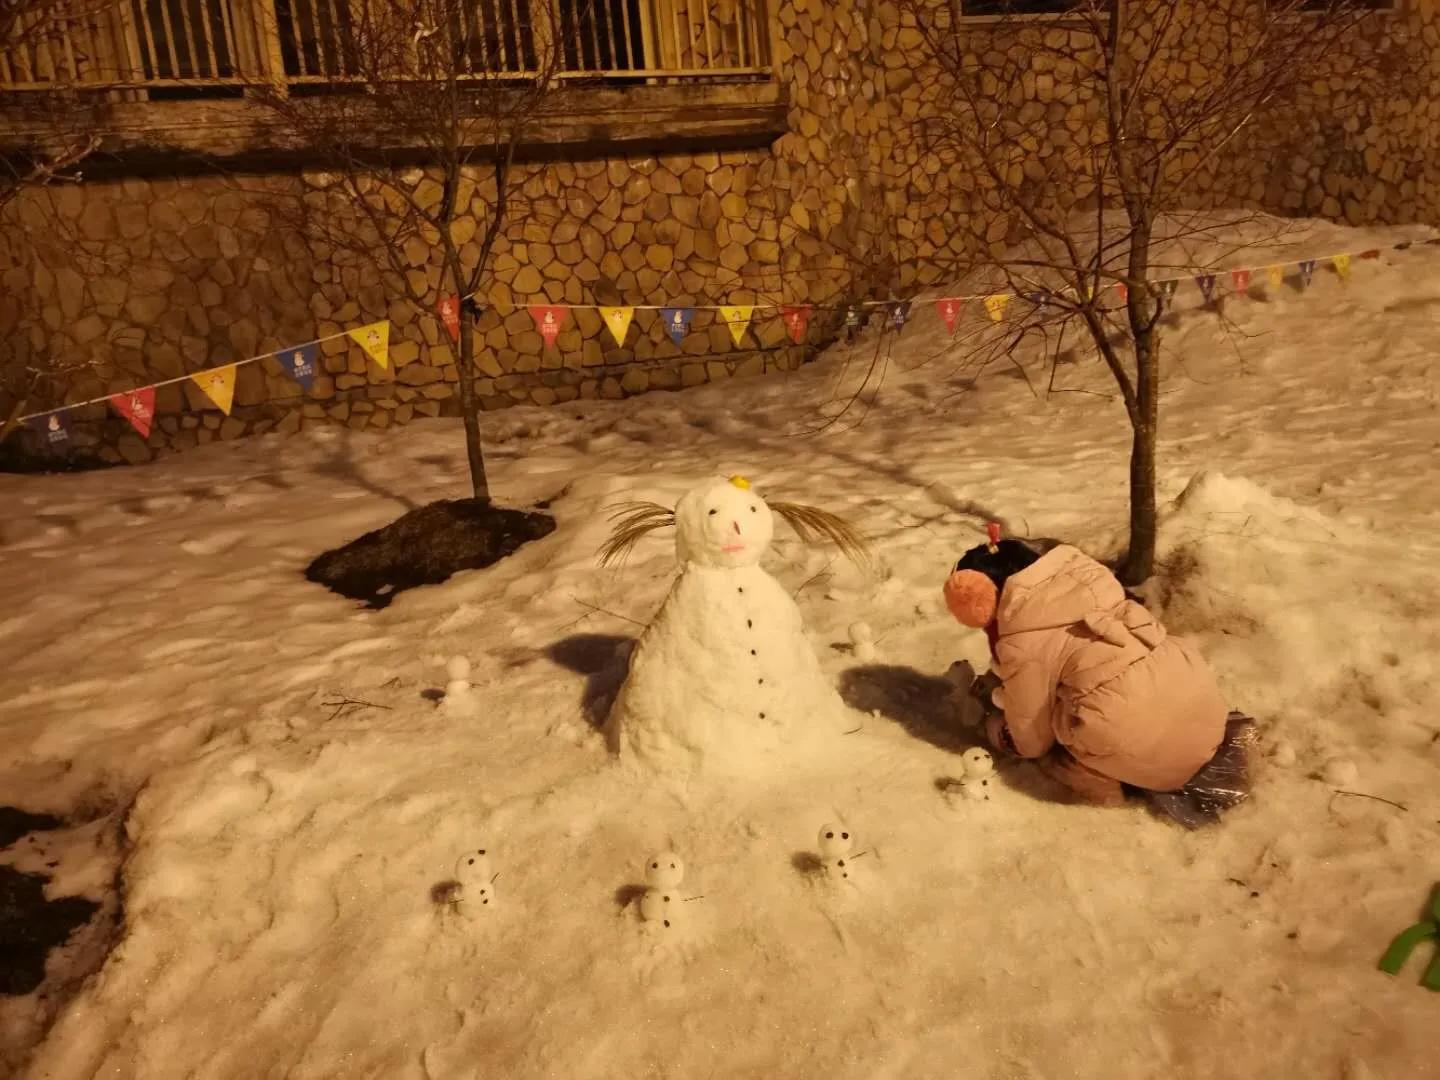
(1082, 664)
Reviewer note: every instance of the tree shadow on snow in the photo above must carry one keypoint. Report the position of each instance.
(597, 657)
(921, 704)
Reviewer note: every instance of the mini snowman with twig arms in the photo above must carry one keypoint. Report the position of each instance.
(724, 679)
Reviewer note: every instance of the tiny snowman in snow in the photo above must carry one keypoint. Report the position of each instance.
(723, 679)
(1341, 773)
(660, 903)
(978, 767)
(474, 891)
(862, 642)
(459, 695)
(837, 845)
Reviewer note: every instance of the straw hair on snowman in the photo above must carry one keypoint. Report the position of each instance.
(705, 533)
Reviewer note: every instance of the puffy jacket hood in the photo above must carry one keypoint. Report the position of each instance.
(1063, 588)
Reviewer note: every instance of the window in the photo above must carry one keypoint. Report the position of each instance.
(990, 8)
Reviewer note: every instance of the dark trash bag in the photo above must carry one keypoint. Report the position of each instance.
(1222, 782)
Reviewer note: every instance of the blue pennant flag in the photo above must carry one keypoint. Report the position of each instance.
(1041, 300)
(1167, 288)
(1307, 270)
(677, 322)
(1207, 286)
(852, 317)
(898, 314)
(299, 364)
(54, 429)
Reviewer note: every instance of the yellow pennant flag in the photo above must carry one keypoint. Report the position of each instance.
(737, 318)
(1342, 266)
(219, 385)
(1276, 274)
(995, 305)
(375, 340)
(618, 320)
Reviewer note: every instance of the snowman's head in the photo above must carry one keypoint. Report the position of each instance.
(723, 523)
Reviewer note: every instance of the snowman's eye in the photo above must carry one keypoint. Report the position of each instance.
(469, 862)
(844, 836)
(753, 510)
(654, 866)
(829, 836)
(714, 512)
(482, 851)
(672, 866)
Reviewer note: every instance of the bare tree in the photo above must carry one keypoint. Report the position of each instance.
(442, 96)
(1149, 102)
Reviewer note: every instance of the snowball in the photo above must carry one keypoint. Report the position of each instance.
(864, 651)
(473, 868)
(660, 906)
(458, 668)
(977, 763)
(961, 674)
(835, 841)
(664, 871)
(1283, 754)
(861, 632)
(1341, 772)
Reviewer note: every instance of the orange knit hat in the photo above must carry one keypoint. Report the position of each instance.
(971, 597)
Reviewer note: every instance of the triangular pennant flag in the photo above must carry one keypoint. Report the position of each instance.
(548, 320)
(737, 318)
(1040, 300)
(899, 312)
(1123, 290)
(1373, 253)
(1168, 287)
(1404, 245)
(137, 406)
(1276, 274)
(218, 384)
(299, 363)
(852, 316)
(449, 309)
(797, 320)
(677, 322)
(1307, 270)
(54, 428)
(374, 339)
(1241, 278)
(949, 309)
(1207, 285)
(1342, 266)
(995, 305)
(618, 320)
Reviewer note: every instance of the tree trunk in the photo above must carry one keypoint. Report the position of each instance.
(470, 407)
(1139, 562)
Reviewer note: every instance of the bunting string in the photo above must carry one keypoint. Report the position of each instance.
(300, 362)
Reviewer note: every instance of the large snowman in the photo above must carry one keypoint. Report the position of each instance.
(723, 680)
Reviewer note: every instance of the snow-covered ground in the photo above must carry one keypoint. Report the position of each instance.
(166, 666)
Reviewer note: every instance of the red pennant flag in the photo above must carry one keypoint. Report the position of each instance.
(1373, 253)
(1241, 278)
(449, 308)
(949, 309)
(797, 318)
(548, 320)
(1124, 291)
(137, 406)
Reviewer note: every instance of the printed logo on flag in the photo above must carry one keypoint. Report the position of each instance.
(1241, 279)
(797, 319)
(1307, 270)
(449, 308)
(949, 309)
(1167, 288)
(996, 304)
(299, 364)
(1207, 286)
(677, 322)
(137, 406)
(548, 320)
(54, 429)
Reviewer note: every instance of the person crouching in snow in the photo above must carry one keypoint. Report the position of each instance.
(1091, 684)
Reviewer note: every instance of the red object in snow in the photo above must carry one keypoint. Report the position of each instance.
(992, 530)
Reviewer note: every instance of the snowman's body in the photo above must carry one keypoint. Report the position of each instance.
(723, 679)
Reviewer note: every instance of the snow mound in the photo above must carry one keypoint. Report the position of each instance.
(1275, 589)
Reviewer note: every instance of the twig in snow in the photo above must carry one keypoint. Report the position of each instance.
(346, 706)
(852, 731)
(1377, 798)
(687, 899)
(613, 614)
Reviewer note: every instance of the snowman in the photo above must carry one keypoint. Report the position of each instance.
(978, 768)
(723, 680)
(474, 881)
(661, 900)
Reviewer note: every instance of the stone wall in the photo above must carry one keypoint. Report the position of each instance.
(146, 279)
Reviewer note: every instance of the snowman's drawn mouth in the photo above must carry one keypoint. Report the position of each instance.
(730, 549)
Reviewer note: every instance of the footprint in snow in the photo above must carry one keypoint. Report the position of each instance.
(216, 543)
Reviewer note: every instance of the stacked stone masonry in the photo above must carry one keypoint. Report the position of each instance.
(131, 281)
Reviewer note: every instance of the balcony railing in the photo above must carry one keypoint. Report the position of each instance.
(149, 48)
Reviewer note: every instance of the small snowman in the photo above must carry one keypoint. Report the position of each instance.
(837, 844)
(475, 880)
(459, 694)
(977, 767)
(862, 642)
(660, 903)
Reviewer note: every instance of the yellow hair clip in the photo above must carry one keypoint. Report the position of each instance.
(740, 482)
